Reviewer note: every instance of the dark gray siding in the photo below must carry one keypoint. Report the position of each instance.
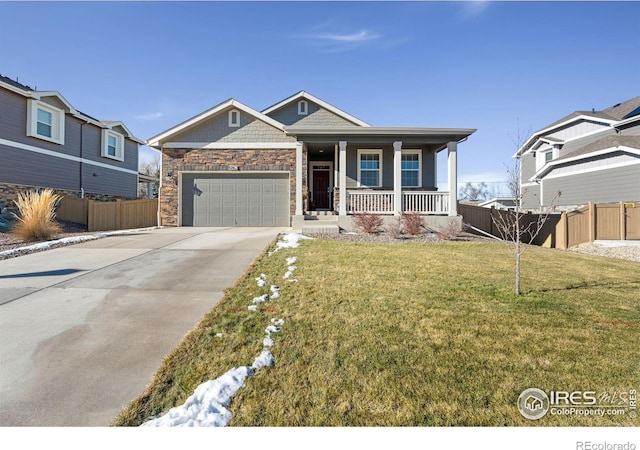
(530, 197)
(100, 180)
(606, 185)
(316, 117)
(428, 165)
(33, 169)
(528, 166)
(30, 168)
(217, 129)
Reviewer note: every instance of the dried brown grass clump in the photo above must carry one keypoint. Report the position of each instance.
(412, 223)
(369, 223)
(448, 232)
(36, 220)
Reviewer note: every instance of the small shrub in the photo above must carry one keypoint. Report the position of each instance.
(412, 223)
(36, 218)
(369, 223)
(448, 232)
(395, 229)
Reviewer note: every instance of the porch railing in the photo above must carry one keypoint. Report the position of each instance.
(426, 202)
(374, 202)
(383, 202)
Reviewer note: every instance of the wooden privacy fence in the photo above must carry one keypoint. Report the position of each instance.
(485, 219)
(101, 216)
(618, 221)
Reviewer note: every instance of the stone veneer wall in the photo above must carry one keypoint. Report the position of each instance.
(9, 193)
(231, 160)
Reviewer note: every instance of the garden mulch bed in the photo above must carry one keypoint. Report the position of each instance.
(10, 242)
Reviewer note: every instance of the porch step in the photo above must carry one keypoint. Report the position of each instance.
(320, 217)
(318, 228)
(320, 222)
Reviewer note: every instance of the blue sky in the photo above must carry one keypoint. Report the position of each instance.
(494, 66)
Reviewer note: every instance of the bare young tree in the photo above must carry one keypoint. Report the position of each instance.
(516, 227)
(475, 191)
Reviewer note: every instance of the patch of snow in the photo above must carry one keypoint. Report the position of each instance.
(277, 322)
(291, 268)
(264, 360)
(267, 341)
(262, 298)
(287, 274)
(289, 240)
(207, 406)
(252, 307)
(272, 329)
(218, 335)
(291, 260)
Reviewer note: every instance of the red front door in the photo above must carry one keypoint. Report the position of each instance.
(321, 189)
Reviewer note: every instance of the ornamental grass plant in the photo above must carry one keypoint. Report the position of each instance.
(37, 216)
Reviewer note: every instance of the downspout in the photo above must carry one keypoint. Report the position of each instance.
(81, 159)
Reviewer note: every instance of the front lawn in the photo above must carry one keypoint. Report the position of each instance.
(414, 335)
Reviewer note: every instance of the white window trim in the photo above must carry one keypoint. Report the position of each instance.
(234, 123)
(57, 121)
(303, 108)
(119, 145)
(541, 156)
(370, 151)
(414, 152)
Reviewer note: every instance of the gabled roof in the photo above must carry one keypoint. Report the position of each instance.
(195, 120)
(302, 95)
(609, 144)
(610, 116)
(28, 92)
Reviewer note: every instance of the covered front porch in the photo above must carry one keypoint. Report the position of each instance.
(386, 171)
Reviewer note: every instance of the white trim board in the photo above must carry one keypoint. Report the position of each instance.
(551, 176)
(231, 145)
(53, 154)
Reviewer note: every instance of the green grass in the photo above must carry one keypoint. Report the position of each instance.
(414, 335)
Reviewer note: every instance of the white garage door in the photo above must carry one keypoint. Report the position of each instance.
(235, 199)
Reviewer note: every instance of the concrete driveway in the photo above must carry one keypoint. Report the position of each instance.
(84, 328)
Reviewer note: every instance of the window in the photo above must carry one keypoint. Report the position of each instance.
(44, 125)
(234, 118)
(411, 168)
(45, 121)
(303, 108)
(112, 145)
(370, 168)
(548, 156)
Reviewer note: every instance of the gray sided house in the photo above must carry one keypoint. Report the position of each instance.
(585, 156)
(46, 143)
(297, 161)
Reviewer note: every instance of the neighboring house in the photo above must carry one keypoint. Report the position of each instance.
(586, 156)
(499, 203)
(234, 166)
(46, 142)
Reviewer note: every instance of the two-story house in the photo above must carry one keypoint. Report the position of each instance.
(46, 143)
(585, 156)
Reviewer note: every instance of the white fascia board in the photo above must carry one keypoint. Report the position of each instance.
(231, 103)
(550, 165)
(46, 152)
(129, 134)
(563, 124)
(628, 121)
(15, 89)
(325, 105)
(39, 95)
(230, 145)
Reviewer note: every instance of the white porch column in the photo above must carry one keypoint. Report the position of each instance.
(397, 177)
(299, 178)
(343, 178)
(452, 167)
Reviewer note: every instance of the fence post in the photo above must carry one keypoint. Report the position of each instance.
(90, 219)
(562, 232)
(623, 224)
(592, 221)
(119, 213)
